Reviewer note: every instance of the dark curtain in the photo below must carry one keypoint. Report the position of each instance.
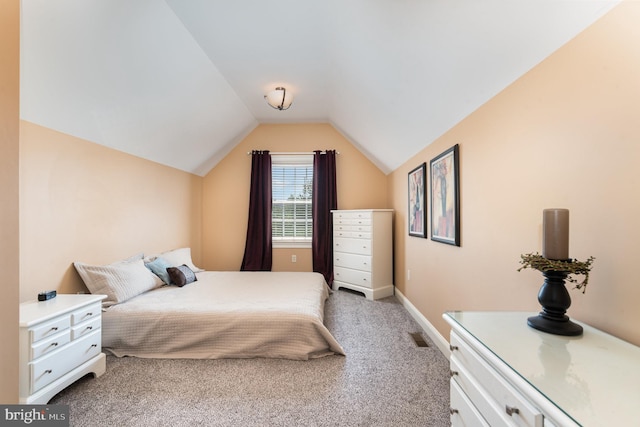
(257, 250)
(324, 199)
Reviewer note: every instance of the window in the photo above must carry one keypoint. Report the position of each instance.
(292, 183)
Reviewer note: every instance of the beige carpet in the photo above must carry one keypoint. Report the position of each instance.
(385, 380)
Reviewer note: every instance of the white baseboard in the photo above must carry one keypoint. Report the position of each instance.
(432, 332)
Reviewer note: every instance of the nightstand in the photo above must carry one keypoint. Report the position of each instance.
(60, 342)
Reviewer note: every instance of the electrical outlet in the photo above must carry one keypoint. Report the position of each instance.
(294, 258)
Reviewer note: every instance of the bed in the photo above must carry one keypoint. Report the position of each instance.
(225, 315)
(222, 314)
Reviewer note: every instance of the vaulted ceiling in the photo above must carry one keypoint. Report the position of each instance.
(181, 82)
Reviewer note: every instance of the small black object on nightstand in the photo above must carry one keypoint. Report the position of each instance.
(46, 295)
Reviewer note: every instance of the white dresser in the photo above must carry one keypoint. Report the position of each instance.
(505, 373)
(60, 342)
(363, 251)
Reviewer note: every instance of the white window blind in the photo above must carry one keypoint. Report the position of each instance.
(292, 182)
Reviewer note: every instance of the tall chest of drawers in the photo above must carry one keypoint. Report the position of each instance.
(363, 251)
(60, 342)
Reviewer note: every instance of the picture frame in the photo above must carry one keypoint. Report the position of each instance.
(445, 197)
(417, 196)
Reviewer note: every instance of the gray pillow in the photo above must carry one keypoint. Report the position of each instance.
(181, 275)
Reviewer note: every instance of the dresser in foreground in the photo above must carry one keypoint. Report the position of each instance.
(60, 342)
(505, 373)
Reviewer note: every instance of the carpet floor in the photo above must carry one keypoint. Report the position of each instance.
(385, 379)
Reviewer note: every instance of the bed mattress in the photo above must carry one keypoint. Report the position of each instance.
(225, 315)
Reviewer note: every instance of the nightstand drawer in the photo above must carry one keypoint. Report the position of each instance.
(49, 329)
(86, 313)
(53, 366)
(86, 328)
(49, 345)
(513, 408)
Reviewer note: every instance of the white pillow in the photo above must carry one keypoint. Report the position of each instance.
(177, 257)
(119, 281)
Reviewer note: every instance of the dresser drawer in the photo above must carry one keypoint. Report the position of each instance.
(49, 345)
(86, 313)
(352, 234)
(354, 246)
(480, 397)
(463, 413)
(48, 329)
(356, 277)
(352, 225)
(53, 366)
(359, 262)
(86, 328)
(512, 406)
(337, 216)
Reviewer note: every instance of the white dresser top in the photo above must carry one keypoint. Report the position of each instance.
(593, 378)
(362, 210)
(32, 312)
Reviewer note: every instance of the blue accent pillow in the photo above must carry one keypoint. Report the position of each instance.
(159, 267)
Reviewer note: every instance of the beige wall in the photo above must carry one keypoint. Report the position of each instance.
(80, 201)
(226, 191)
(564, 135)
(9, 213)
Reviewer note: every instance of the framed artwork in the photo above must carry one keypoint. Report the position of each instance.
(445, 197)
(417, 201)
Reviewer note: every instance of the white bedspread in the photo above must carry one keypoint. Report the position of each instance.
(225, 315)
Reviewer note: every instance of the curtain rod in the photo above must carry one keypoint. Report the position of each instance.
(294, 153)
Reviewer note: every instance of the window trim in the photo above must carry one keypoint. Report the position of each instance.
(291, 159)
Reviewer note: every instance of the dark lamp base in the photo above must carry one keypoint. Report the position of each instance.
(555, 300)
(554, 326)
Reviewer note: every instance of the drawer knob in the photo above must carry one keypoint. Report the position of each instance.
(453, 373)
(453, 347)
(511, 410)
(89, 327)
(48, 371)
(53, 344)
(55, 328)
(453, 411)
(94, 345)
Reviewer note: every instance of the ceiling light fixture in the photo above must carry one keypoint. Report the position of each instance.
(279, 98)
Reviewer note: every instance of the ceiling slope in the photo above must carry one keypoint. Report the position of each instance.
(181, 82)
